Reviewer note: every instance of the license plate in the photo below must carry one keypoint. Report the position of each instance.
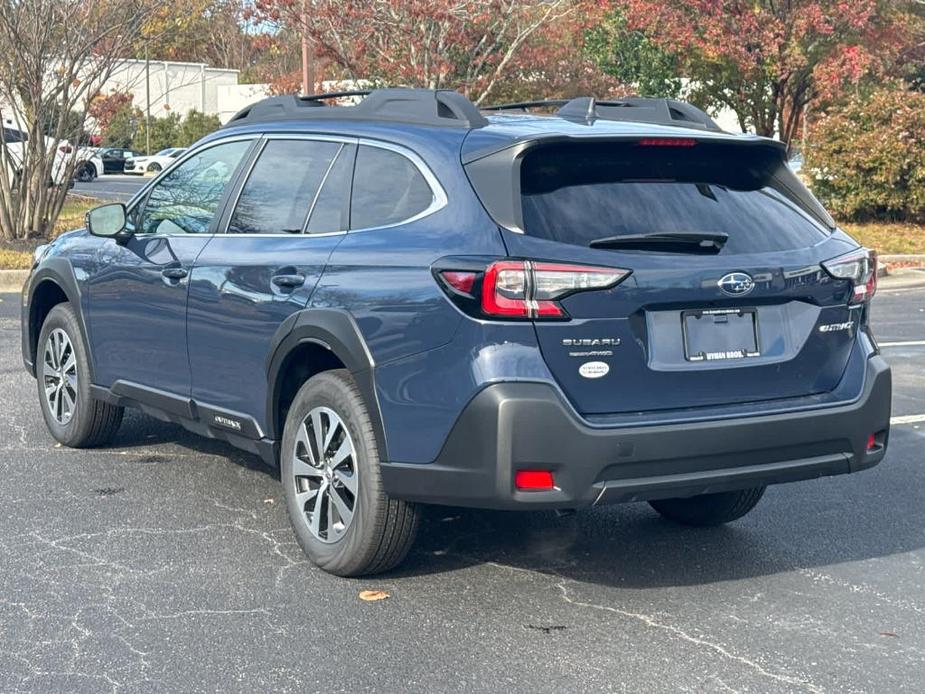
(720, 334)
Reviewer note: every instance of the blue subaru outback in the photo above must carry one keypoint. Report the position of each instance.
(410, 300)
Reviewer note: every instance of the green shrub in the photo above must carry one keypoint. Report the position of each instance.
(195, 126)
(866, 158)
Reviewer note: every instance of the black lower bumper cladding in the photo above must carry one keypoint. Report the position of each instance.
(515, 426)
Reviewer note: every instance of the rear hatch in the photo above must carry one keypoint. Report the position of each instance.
(726, 301)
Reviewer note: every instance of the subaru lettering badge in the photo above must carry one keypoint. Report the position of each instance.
(736, 283)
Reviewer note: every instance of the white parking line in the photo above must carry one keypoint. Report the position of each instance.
(904, 343)
(908, 419)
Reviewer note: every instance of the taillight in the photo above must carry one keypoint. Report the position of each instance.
(66, 149)
(523, 289)
(858, 266)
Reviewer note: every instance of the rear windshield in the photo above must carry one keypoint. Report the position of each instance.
(577, 193)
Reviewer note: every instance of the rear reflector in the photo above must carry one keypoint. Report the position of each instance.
(871, 442)
(533, 480)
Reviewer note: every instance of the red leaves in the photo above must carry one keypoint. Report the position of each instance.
(103, 108)
(431, 43)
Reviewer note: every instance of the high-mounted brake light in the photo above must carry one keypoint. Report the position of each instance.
(858, 266)
(667, 142)
(524, 289)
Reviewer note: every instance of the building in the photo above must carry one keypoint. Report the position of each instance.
(172, 87)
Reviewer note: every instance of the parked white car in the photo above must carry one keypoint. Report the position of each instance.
(14, 141)
(89, 163)
(154, 163)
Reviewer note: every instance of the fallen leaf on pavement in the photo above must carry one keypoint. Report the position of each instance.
(269, 501)
(373, 595)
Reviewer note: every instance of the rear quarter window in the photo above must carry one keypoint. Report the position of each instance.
(576, 193)
(387, 189)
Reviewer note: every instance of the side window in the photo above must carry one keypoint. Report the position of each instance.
(330, 210)
(281, 187)
(186, 199)
(387, 189)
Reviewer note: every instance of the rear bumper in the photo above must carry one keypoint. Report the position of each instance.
(513, 426)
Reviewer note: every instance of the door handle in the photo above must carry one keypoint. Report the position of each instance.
(288, 281)
(174, 273)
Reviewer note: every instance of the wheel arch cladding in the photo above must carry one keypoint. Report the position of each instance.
(307, 343)
(52, 285)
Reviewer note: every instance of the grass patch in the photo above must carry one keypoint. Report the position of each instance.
(889, 239)
(72, 214)
(15, 260)
(17, 255)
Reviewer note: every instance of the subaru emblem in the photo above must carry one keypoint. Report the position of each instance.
(736, 283)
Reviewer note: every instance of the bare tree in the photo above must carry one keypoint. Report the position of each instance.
(54, 57)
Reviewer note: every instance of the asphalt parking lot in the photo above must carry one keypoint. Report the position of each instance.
(165, 563)
(116, 187)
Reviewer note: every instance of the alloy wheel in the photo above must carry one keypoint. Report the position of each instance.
(59, 376)
(325, 470)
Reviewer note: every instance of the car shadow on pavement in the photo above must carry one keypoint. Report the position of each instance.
(877, 513)
(140, 432)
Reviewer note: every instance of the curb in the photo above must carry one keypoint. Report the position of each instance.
(909, 262)
(11, 281)
(904, 258)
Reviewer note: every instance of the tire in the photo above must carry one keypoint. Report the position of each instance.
(86, 173)
(154, 168)
(709, 509)
(90, 422)
(380, 530)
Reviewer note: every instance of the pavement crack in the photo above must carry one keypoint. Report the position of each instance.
(695, 640)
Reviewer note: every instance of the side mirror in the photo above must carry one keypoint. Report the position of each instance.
(107, 220)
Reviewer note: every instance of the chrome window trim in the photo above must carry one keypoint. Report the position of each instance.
(438, 202)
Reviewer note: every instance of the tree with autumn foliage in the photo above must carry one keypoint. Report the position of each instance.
(766, 60)
(473, 45)
(104, 107)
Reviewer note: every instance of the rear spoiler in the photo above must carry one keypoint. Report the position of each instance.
(495, 174)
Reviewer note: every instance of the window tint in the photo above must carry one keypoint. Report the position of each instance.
(280, 189)
(387, 189)
(186, 199)
(12, 135)
(330, 210)
(576, 194)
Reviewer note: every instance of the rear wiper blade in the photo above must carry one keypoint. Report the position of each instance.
(685, 241)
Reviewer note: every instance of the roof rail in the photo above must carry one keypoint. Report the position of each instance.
(441, 107)
(639, 109)
(525, 105)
